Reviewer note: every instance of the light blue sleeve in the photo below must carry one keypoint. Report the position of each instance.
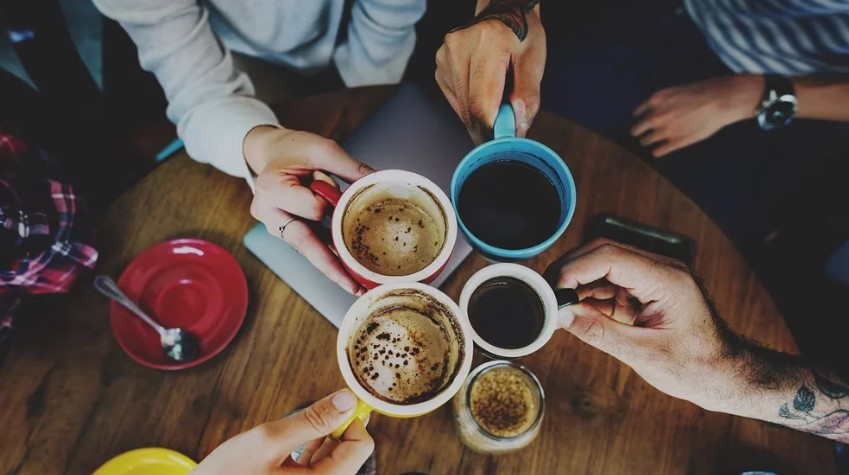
(381, 38)
(211, 101)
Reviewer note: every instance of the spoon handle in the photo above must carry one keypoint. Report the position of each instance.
(106, 286)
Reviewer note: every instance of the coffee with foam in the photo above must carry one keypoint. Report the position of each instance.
(408, 349)
(394, 229)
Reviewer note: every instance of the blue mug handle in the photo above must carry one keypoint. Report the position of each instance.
(505, 123)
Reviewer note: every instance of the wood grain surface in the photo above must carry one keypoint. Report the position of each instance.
(70, 398)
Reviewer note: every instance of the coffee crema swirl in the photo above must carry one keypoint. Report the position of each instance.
(406, 352)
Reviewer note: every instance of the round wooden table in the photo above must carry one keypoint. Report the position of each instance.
(70, 398)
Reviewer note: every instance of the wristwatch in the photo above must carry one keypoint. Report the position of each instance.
(779, 103)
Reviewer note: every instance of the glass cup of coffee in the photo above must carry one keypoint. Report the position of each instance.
(404, 350)
(391, 226)
(499, 408)
(511, 309)
(514, 197)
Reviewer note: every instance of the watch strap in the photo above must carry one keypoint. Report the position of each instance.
(775, 86)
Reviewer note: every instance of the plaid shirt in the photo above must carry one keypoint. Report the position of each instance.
(45, 230)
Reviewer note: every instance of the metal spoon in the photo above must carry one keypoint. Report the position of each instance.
(178, 344)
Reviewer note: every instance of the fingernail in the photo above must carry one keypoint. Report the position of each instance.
(566, 317)
(521, 110)
(344, 400)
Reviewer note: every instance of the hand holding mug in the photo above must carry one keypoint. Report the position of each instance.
(649, 312)
(404, 350)
(391, 226)
(512, 309)
(473, 63)
(267, 448)
(284, 160)
(513, 197)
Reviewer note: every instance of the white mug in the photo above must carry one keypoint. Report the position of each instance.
(399, 184)
(551, 300)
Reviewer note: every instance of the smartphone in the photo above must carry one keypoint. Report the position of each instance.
(658, 241)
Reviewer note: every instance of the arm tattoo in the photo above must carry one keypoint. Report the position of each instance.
(822, 408)
(510, 12)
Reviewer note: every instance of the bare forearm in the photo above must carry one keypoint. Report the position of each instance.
(826, 99)
(783, 389)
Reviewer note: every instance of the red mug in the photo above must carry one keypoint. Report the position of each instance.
(388, 188)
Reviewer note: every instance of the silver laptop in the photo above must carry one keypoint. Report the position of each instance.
(411, 131)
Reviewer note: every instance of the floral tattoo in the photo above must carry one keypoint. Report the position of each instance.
(510, 12)
(830, 418)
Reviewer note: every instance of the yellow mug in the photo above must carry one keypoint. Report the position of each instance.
(422, 300)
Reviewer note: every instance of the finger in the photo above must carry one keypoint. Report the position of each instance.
(280, 438)
(308, 451)
(671, 145)
(452, 75)
(643, 125)
(444, 85)
(327, 155)
(528, 70)
(552, 273)
(599, 242)
(326, 447)
(350, 454)
(487, 75)
(605, 306)
(601, 290)
(303, 239)
(652, 137)
(321, 176)
(644, 276)
(284, 191)
(626, 309)
(598, 330)
(642, 110)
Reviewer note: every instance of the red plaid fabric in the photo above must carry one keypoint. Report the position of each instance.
(45, 230)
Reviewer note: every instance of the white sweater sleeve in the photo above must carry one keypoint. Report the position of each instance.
(210, 101)
(381, 38)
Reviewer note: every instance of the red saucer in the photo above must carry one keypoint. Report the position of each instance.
(187, 283)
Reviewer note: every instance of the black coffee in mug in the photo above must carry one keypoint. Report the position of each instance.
(506, 312)
(509, 204)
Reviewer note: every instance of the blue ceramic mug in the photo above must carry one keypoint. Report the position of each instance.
(506, 146)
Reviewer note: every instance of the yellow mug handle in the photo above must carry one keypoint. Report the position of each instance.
(361, 412)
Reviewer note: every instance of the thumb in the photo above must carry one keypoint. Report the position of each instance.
(597, 329)
(316, 421)
(525, 97)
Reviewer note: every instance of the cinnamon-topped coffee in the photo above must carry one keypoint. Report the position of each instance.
(394, 230)
(504, 402)
(407, 350)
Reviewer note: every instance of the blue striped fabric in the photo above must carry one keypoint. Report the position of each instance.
(789, 37)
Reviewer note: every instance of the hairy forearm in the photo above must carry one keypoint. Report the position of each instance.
(826, 99)
(783, 389)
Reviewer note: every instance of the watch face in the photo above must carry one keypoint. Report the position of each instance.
(780, 113)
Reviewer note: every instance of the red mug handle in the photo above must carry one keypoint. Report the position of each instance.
(326, 191)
